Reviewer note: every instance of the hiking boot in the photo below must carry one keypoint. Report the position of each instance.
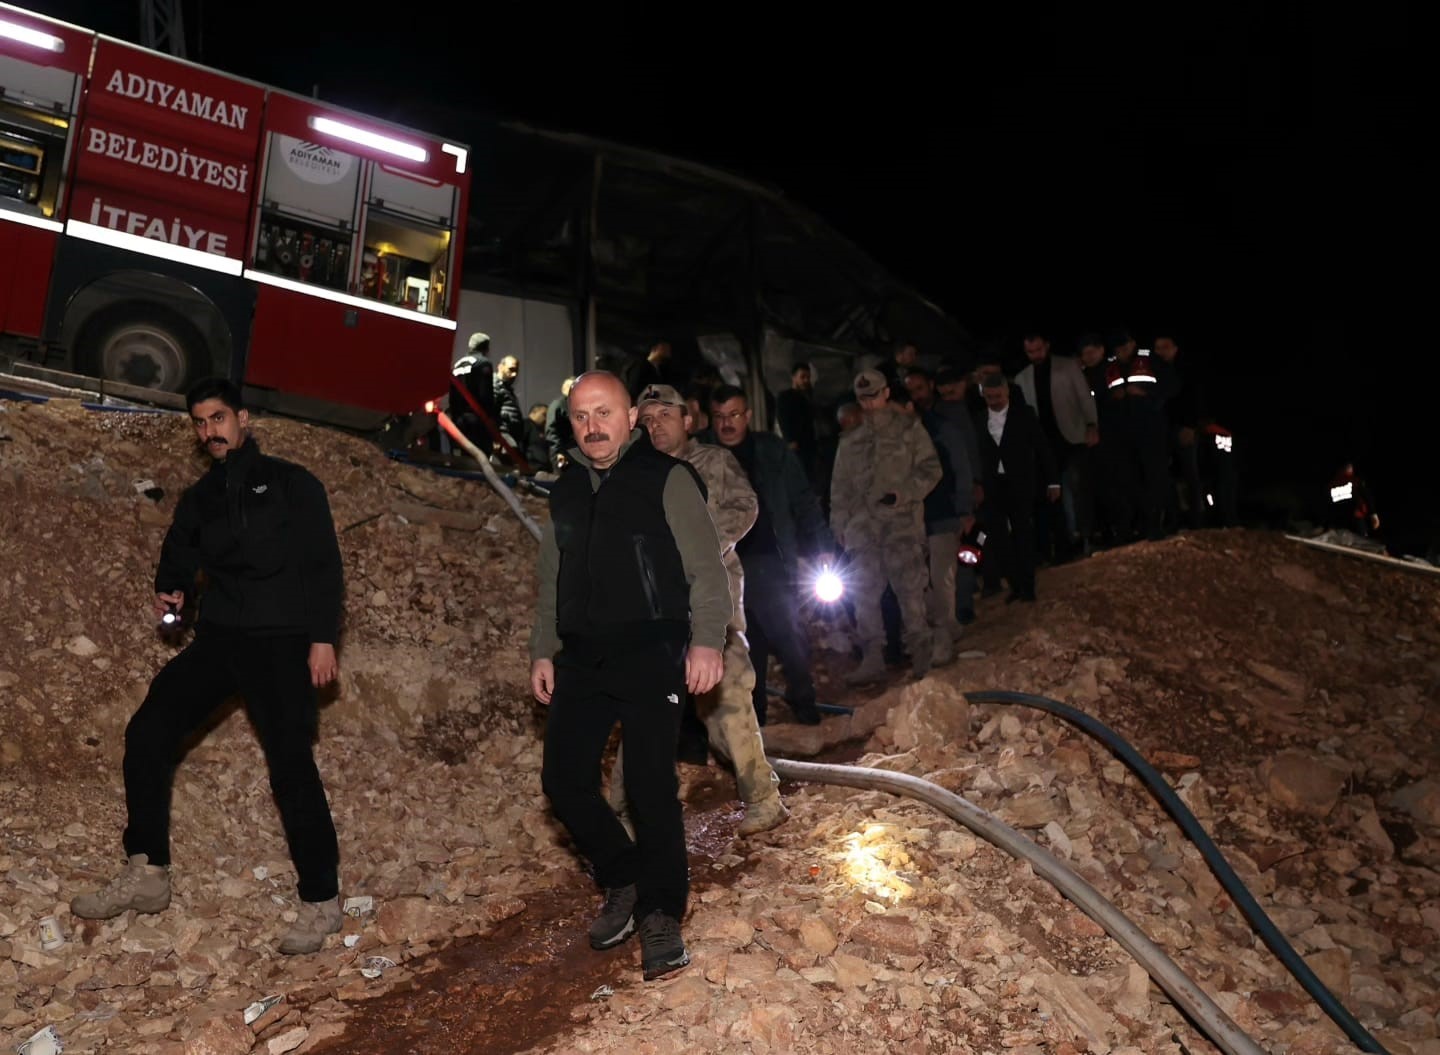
(870, 671)
(616, 921)
(769, 812)
(944, 652)
(920, 665)
(662, 950)
(317, 919)
(141, 886)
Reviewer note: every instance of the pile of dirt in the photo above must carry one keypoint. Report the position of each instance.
(1286, 693)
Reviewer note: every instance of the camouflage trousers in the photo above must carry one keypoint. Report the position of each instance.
(899, 560)
(728, 711)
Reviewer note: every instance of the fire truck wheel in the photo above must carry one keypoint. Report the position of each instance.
(145, 346)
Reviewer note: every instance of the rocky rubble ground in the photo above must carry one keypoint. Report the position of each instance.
(1287, 694)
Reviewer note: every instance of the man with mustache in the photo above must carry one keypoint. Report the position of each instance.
(789, 516)
(260, 531)
(631, 614)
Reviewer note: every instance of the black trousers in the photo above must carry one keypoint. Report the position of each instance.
(772, 623)
(273, 676)
(644, 690)
(1007, 517)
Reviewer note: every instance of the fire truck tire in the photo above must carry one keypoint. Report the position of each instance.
(143, 345)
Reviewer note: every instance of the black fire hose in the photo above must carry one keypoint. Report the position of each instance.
(1189, 997)
(1080, 892)
(1232, 883)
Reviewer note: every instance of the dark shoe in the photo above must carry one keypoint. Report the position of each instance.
(966, 618)
(806, 713)
(662, 950)
(616, 921)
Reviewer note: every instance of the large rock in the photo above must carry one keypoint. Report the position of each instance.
(931, 713)
(222, 1035)
(1421, 800)
(1306, 783)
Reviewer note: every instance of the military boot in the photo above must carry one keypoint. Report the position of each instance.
(769, 812)
(871, 669)
(141, 886)
(316, 919)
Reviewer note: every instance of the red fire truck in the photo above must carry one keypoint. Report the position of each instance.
(161, 221)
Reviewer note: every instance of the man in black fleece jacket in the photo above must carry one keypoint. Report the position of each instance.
(259, 529)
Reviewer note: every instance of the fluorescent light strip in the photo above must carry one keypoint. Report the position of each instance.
(153, 247)
(460, 154)
(36, 39)
(347, 299)
(374, 140)
(30, 221)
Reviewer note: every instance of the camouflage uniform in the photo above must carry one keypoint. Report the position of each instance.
(727, 710)
(890, 452)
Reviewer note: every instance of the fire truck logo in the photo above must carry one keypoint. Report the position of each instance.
(312, 162)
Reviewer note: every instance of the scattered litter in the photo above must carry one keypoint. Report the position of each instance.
(352, 940)
(359, 906)
(260, 872)
(259, 1007)
(51, 936)
(46, 1042)
(605, 992)
(375, 966)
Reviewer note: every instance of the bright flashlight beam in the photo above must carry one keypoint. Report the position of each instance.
(828, 586)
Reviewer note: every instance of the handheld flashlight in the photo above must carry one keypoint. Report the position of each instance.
(171, 616)
(829, 587)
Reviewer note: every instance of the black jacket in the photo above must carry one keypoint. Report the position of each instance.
(1029, 463)
(621, 576)
(260, 530)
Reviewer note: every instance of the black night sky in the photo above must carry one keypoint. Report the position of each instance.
(1247, 176)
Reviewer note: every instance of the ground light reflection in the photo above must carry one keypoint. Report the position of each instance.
(871, 859)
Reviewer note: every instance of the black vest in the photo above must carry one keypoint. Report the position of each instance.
(621, 579)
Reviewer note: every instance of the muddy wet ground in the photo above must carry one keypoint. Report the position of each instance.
(514, 989)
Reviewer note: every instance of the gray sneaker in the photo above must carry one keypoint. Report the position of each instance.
(616, 921)
(141, 886)
(316, 919)
(662, 950)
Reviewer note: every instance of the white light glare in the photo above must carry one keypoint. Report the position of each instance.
(33, 37)
(1225, 443)
(1210, 500)
(829, 587)
(459, 153)
(1343, 493)
(366, 138)
(870, 859)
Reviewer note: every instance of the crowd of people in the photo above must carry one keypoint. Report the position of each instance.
(681, 547)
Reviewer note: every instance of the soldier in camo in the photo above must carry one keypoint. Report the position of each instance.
(727, 710)
(883, 471)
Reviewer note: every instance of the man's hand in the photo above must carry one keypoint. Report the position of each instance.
(163, 601)
(1052, 493)
(323, 667)
(542, 679)
(703, 667)
(1092, 435)
(978, 494)
(966, 523)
